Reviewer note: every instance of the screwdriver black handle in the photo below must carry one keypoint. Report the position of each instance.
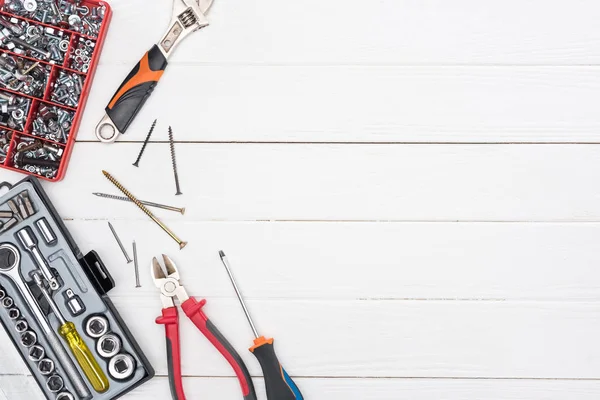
(279, 384)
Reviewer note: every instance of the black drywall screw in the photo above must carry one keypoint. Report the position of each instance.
(172, 145)
(137, 162)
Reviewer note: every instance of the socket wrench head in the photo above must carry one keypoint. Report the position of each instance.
(121, 367)
(2, 294)
(7, 302)
(96, 326)
(55, 383)
(64, 396)
(28, 338)
(46, 367)
(21, 326)
(14, 313)
(108, 345)
(36, 353)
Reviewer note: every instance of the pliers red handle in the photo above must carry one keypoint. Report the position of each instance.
(170, 287)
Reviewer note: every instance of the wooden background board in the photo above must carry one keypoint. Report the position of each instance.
(409, 192)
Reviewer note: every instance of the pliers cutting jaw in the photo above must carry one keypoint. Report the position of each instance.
(170, 288)
(168, 284)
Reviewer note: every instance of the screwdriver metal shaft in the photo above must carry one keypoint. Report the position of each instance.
(278, 383)
(237, 292)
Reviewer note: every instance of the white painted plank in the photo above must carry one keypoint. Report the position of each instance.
(320, 32)
(385, 338)
(359, 389)
(341, 182)
(362, 104)
(327, 261)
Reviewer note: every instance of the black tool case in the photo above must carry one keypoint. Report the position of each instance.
(83, 284)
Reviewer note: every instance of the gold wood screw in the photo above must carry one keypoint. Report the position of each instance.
(131, 197)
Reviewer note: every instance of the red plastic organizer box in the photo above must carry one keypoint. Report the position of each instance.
(49, 51)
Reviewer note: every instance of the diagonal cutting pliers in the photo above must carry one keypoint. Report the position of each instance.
(188, 16)
(171, 288)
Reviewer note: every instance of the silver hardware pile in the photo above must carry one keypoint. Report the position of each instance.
(81, 55)
(53, 123)
(67, 88)
(13, 110)
(5, 137)
(43, 43)
(78, 18)
(22, 75)
(37, 157)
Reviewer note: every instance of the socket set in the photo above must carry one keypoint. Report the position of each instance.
(49, 51)
(55, 308)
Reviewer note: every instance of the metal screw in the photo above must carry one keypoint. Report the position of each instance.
(135, 263)
(174, 161)
(137, 161)
(142, 207)
(112, 229)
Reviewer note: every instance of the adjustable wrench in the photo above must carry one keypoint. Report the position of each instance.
(188, 16)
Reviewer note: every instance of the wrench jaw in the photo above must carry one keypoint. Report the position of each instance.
(186, 19)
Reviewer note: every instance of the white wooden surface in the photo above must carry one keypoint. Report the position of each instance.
(409, 192)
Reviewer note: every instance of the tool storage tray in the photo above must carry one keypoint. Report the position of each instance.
(49, 50)
(36, 250)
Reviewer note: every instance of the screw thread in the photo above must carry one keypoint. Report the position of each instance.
(131, 197)
(111, 196)
(174, 160)
(139, 157)
(128, 194)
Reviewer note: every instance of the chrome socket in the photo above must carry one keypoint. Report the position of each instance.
(64, 396)
(108, 345)
(36, 353)
(7, 302)
(28, 339)
(46, 367)
(96, 326)
(21, 326)
(121, 367)
(55, 383)
(14, 313)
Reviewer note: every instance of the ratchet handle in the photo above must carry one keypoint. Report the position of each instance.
(84, 357)
(170, 320)
(137, 87)
(193, 310)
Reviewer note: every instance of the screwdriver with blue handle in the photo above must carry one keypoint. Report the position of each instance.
(278, 383)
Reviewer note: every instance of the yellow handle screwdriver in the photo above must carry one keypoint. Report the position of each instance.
(80, 350)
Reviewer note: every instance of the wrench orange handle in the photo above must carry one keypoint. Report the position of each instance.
(137, 87)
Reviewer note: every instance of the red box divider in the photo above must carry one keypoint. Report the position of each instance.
(46, 99)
